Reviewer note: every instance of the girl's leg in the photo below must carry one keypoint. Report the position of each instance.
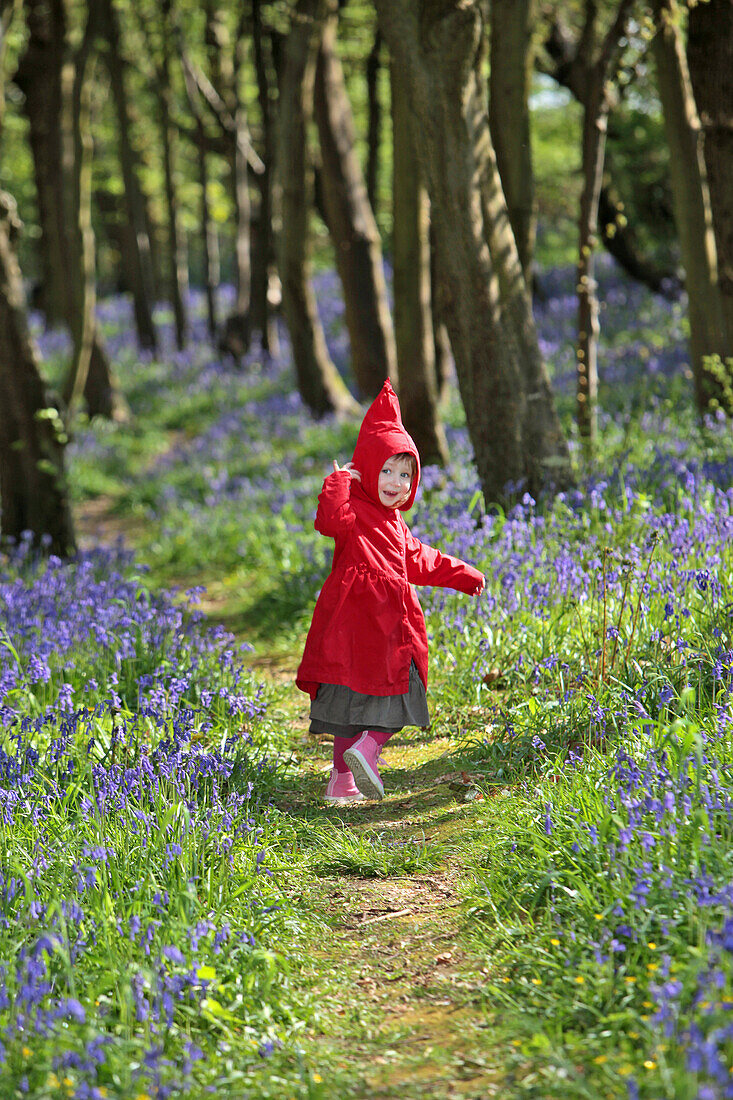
(381, 738)
(340, 744)
(363, 760)
(341, 787)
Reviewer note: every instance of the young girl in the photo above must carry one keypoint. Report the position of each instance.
(365, 664)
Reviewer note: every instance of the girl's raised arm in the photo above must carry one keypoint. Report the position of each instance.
(335, 516)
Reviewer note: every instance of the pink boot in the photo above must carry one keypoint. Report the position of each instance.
(363, 759)
(342, 789)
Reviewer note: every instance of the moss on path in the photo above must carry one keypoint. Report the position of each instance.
(398, 991)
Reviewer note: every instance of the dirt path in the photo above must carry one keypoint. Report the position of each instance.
(402, 1009)
(398, 1007)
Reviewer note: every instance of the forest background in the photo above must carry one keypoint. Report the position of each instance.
(221, 228)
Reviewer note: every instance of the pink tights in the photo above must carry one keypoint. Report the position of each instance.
(341, 744)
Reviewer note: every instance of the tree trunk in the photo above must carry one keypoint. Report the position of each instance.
(691, 202)
(596, 106)
(52, 79)
(226, 62)
(351, 223)
(319, 383)
(33, 494)
(441, 339)
(265, 282)
(209, 245)
(595, 120)
(374, 125)
(177, 258)
(710, 58)
(141, 267)
(242, 205)
(513, 425)
(76, 143)
(510, 75)
(412, 286)
(39, 78)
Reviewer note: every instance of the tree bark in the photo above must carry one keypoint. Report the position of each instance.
(352, 226)
(512, 422)
(177, 258)
(710, 59)
(52, 78)
(209, 244)
(226, 61)
(39, 78)
(412, 286)
(691, 198)
(243, 205)
(33, 495)
(265, 281)
(596, 106)
(374, 124)
(76, 150)
(510, 75)
(141, 267)
(441, 339)
(319, 383)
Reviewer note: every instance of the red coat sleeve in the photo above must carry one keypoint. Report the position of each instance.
(335, 516)
(425, 565)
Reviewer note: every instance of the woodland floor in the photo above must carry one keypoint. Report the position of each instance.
(388, 961)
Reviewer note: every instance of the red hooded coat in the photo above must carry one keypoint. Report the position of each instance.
(367, 624)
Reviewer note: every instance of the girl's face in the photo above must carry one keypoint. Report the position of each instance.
(394, 482)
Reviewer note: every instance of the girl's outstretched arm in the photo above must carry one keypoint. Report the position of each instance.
(426, 565)
(334, 516)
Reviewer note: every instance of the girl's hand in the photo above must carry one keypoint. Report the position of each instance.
(347, 466)
(479, 587)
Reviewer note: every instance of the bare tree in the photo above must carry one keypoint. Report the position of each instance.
(319, 383)
(142, 282)
(352, 226)
(160, 79)
(209, 240)
(510, 76)
(599, 62)
(412, 286)
(33, 494)
(54, 79)
(691, 196)
(374, 114)
(265, 282)
(510, 412)
(710, 60)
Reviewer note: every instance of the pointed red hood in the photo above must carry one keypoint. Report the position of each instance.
(382, 435)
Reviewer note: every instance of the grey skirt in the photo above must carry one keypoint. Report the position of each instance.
(345, 713)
